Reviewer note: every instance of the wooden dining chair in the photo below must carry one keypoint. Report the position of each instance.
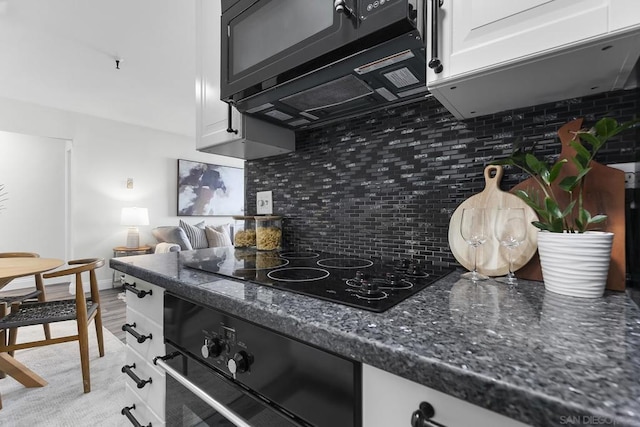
(38, 293)
(81, 309)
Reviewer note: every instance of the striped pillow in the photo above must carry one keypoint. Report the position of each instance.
(196, 234)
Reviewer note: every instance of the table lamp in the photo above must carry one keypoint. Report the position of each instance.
(133, 217)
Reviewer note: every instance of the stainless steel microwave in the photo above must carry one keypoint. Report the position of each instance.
(300, 62)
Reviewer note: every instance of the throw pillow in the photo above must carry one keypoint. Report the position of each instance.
(216, 238)
(172, 234)
(196, 234)
(225, 229)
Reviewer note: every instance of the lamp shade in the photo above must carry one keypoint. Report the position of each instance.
(134, 216)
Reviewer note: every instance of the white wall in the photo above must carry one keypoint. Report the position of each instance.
(104, 154)
(33, 170)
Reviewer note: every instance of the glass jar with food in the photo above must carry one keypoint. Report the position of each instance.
(244, 232)
(268, 233)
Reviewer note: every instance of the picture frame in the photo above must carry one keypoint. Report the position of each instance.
(206, 189)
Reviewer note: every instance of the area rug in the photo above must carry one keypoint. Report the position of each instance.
(62, 402)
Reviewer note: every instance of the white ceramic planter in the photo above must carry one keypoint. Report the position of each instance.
(575, 264)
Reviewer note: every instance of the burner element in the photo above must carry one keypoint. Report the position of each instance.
(345, 263)
(370, 291)
(298, 274)
(299, 255)
(394, 282)
(411, 268)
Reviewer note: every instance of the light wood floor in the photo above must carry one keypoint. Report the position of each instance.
(113, 308)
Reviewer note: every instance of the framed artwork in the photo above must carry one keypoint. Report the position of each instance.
(209, 190)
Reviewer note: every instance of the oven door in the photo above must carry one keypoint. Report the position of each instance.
(199, 396)
(263, 40)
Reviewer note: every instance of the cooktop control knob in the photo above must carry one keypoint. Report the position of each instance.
(240, 362)
(212, 347)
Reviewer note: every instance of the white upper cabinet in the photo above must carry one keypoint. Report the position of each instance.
(211, 113)
(530, 47)
(484, 33)
(244, 137)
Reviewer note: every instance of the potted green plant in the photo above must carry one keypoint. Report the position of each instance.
(566, 238)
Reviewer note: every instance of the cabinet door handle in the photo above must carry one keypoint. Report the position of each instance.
(128, 327)
(341, 6)
(422, 417)
(435, 64)
(140, 383)
(230, 128)
(126, 411)
(139, 292)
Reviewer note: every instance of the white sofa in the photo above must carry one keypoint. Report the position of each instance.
(186, 237)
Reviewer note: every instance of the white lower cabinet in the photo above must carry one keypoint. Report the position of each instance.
(145, 382)
(140, 410)
(389, 400)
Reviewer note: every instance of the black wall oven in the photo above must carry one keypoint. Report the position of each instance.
(224, 371)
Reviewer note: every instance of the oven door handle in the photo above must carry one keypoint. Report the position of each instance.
(221, 408)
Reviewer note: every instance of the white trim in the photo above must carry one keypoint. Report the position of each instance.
(68, 230)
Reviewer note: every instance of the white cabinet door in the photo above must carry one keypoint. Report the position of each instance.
(499, 54)
(479, 34)
(211, 113)
(140, 411)
(145, 317)
(389, 400)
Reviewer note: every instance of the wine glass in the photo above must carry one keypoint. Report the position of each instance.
(511, 231)
(473, 230)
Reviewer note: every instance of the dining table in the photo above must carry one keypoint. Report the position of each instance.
(12, 268)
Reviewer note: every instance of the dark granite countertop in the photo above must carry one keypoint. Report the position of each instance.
(532, 355)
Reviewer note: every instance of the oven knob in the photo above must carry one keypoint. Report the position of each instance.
(239, 363)
(211, 348)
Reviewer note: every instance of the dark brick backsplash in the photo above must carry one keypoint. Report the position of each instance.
(386, 184)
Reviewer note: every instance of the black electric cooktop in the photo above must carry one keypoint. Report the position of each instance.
(357, 282)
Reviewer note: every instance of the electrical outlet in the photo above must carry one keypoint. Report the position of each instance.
(264, 201)
(631, 173)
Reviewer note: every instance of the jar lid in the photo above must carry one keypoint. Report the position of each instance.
(267, 217)
(242, 217)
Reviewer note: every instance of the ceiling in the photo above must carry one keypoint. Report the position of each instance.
(62, 54)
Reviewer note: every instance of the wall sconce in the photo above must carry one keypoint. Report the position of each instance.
(133, 217)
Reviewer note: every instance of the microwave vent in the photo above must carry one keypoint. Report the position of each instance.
(336, 92)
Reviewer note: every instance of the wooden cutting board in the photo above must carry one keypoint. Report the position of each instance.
(493, 259)
(604, 193)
